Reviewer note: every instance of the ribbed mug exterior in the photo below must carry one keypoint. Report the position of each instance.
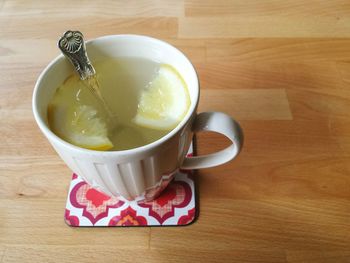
(137, 176)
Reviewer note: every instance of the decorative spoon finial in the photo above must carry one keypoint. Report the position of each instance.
(73, 47)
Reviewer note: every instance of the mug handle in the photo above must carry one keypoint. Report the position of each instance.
(223, 124)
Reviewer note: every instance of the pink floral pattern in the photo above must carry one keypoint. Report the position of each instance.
(187, 219)
(128, 217)
(176, 195)
(95, 204)
(87, 206)
(71, 220)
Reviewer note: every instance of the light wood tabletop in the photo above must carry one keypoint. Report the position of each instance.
(281, 68)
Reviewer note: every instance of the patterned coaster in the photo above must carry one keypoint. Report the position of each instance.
(88, 207)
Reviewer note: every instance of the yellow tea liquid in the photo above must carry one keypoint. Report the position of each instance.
(120, 82)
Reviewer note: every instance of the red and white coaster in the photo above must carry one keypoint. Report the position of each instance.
(88, 207)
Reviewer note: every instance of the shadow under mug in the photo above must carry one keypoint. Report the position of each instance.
(140, 173)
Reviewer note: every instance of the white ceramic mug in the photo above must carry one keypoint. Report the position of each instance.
(143, 172)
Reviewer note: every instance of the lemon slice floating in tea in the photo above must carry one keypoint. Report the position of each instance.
(164, 102)
(79, 125)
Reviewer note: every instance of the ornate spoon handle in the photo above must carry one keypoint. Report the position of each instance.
(73, 47)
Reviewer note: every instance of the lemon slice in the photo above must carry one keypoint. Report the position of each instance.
(164, 102)
(80, 125)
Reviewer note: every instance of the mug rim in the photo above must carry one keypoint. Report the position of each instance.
(60, 58)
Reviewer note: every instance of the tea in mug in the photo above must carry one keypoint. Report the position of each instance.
(142, 101)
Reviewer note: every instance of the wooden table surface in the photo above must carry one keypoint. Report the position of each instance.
(281, 68)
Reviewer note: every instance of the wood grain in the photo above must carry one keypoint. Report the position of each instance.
(134, 8)
(95, 25)
(110, 254)
(254, 8)
(264, 26)
(282, 68)
(279, 50)
(270, 104)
